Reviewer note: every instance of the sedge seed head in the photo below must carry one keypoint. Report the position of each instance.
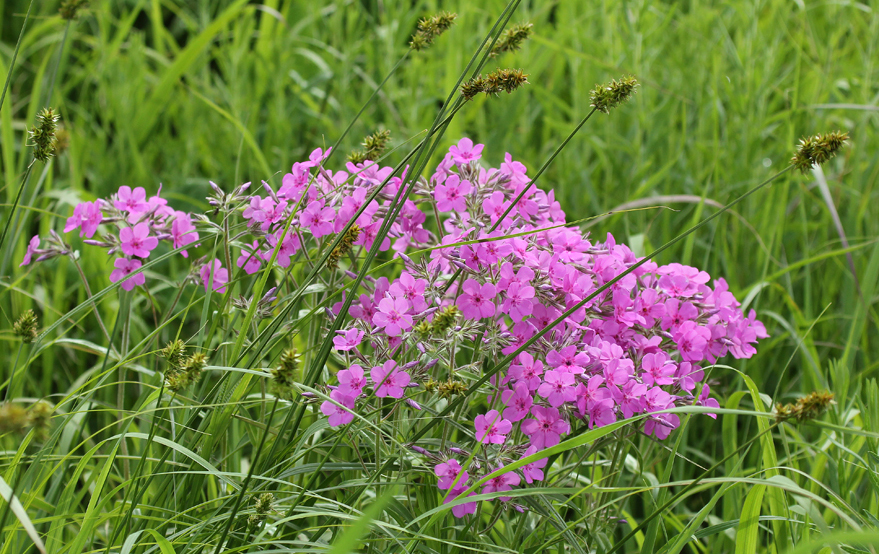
(805, 408)
(610, 95)
(512, 39)
(26, 326)
(42, 136)
(816, 150)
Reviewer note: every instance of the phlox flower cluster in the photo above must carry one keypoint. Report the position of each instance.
(493, 282)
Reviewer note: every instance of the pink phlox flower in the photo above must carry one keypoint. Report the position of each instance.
(494, 206)
(491, 428)
(392, 316)
(369, 233)
(32, 247)
(215, 270)
(339, 415)
(568, 360)
(352, 381)
(124, 267)
(450, 474)
(348, 339)
(661, 425)
(509, 276)
(502, 483)
(465, 152)
(250, 258)
(294, 183)
(411, 289)
(629, 397)
(492, 251)
(546, 428)
(602, 413)
(618, 371)
(570, 245)
(692, 341)
(289, 246)
(460, 510)
(475, 301)
(131, 201)
(389, 380)
(677, 313)
(687, 375)
(274, 212)
(88, 216)
(183, 232)
(743, 334)
(318, 219)
(137, 242)
(527, 370)
(350, 204)
(521, 332)
(623, 312)
(517, 301)
(647, 305)
(515, 171)
(533, 471)
(518, 402)
(590, 393)
(317, 156)
(704, 400)
(451, 195)
(658, 369)
(557, 388)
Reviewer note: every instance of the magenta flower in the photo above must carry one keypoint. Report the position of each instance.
(557, 388)
(338, 415)
(534, 470)
(518, 301)
(348, 340)
(31, 250)
(460, 510)
(131, 201)
(183, 232)
(528, 370)
(215, 271)
(411, 289)
(250, 259)
(546, 428)
(704, 400)
(137, 241)
(658, 369)
(289, 246)
(451, 195)
(392, 316)
(601, 413)
(495, 206)
(568, 359)
(491, 428)
(389, 380)
(87, 215)
(629, 397)
(518, 402)
(448, 473)
(317, 219)
(501, 483)
(465, 152)
(352, 381)
(475, 302)
(124, 267)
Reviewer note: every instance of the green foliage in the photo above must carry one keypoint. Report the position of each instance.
(184, 92)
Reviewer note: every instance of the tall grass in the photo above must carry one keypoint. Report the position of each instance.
(186, 93)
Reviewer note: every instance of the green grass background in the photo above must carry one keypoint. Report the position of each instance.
(180, 93)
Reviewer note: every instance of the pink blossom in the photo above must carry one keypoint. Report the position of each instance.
(528, 371)
(348, 340)
(318, 219)
(491, 428)
(465, 152)
(601, 413)
(501, 483)
(518, 301)
(450, 474)
(704, 400)
(124, 267)
(392, 316)
(289, 246)
(31, 250)
(183, 232)
(137, 242)
(534, 470)
(87, 215)
(460, 510)
(495, 206)
(214, 270)
(339, 415)
(546, 428)
(475, 302)
(389, 380)
(131, 201)
(451, 195)
(568, 360)
(352, 381)
(557, 388)
(518, 402)
(250, 259)
(658, 369)
(411, 289)
(629, 397)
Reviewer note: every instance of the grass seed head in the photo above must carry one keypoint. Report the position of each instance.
(806, 408)
(610, 95)
(512, 39)
(42, 136)
(817, 149)
(430, 28)
(26, 326)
